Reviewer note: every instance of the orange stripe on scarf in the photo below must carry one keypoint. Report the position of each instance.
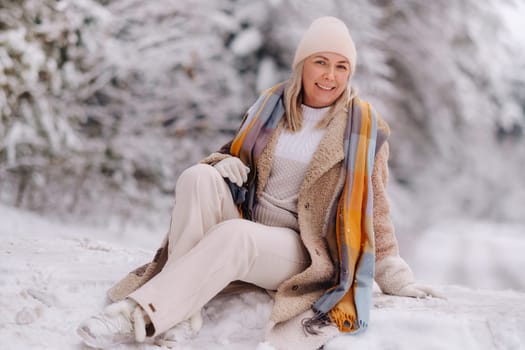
(353, 214)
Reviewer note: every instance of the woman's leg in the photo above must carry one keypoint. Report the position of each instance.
(202, 200)
(232, 250)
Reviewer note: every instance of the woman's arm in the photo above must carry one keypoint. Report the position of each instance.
(392, 273)
(385, 238)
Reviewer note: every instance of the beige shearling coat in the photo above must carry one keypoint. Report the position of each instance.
(293, 299)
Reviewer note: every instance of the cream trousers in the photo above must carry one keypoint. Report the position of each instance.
(211, 246)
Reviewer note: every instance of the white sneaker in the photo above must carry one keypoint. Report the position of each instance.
(181, 333)
(104, 331)
(122, 322)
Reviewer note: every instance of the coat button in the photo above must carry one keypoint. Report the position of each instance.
(307, 205)
(317, 252)
(295, 287)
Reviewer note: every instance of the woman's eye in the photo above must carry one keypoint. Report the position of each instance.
(320, 62)
(342, 67)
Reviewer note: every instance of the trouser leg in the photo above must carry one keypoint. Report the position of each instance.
(202, 200)
(232, 250)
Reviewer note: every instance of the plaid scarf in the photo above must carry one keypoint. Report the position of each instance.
(348, 302)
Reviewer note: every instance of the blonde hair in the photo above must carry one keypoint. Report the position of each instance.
(293, 98)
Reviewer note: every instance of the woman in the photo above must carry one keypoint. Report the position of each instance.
(308, 170)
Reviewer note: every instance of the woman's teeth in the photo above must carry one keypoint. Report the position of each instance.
(327, 88)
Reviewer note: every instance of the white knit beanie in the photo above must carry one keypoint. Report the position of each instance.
(326, 34)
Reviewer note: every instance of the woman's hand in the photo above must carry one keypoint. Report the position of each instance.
(416, 290)
(395, 277)
(233, 169)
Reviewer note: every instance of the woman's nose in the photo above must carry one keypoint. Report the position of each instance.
(330, 73)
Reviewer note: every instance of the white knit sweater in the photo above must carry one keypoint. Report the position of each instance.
(277, 205)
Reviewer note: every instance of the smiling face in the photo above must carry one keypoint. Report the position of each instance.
(325, 76)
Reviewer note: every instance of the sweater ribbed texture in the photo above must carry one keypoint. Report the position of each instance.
(277, 205)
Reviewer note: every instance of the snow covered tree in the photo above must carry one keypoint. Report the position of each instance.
(127, 94)
(48, 59)
(122, 95)
(183, 74)
(459, 83)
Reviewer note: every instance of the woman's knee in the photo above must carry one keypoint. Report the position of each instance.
(197, 173)
(199, 170)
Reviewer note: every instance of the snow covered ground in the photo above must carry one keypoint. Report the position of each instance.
(54, 275)
(477, 254)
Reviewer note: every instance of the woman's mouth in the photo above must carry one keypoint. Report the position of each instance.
(324, 87)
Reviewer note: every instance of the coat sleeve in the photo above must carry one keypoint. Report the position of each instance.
(391, 272)
(385, 238)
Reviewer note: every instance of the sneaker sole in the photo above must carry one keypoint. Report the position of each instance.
(92, 342)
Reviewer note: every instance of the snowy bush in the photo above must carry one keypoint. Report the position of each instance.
(120, 96)
(49, 51)
(459, 105)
